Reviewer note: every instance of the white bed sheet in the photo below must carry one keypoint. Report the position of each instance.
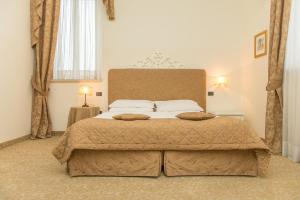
(153, 115)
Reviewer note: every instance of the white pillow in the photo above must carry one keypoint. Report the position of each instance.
(131, 110)
(177, 105)
(126, 103)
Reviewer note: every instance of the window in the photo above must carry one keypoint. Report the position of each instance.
(77, 55)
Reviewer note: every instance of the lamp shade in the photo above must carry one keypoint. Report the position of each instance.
(84, 89)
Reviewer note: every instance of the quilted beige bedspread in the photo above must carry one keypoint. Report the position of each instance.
(162, 134)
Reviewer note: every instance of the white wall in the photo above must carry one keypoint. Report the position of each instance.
(16, 64)
(254, 72)
(187, 31)
(213, 35)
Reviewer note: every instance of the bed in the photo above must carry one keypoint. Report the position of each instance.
(105, 147)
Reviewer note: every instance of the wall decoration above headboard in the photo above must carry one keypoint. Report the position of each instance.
(159, 61)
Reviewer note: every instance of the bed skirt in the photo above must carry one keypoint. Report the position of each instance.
(230, 162)
(115, 163)
(173, 163)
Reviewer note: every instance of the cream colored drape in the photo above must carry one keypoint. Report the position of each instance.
(280, 13)
(291, 88)
(44, 25)
(110, 9)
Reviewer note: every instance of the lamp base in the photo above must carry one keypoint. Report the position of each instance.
(85, 105)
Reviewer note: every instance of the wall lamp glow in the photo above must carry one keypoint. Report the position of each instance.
(221, 81)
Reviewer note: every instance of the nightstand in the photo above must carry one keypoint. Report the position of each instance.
(234, 114)
(79, 113)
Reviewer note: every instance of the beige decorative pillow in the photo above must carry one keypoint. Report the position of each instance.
(195, 116)
(131, 117)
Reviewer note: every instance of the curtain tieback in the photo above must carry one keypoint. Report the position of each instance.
(39, 90)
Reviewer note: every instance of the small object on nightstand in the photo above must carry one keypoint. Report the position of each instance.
(85, 90)
(79, 113)
(234, 114)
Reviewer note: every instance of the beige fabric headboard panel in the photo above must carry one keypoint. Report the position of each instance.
(157, 84)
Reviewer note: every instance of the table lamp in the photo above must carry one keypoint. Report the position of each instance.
(85, 90)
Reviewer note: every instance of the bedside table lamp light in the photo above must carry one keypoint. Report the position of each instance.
(85, 90)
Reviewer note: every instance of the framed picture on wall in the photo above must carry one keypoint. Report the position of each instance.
(260, 44)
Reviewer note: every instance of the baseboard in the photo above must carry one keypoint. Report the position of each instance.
(25, 137)
(14, 141)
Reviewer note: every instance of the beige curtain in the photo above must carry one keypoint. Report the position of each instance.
(280, 13)
(44, 25)
(110, 9)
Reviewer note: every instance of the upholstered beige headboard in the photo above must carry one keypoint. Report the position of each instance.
(157, 84)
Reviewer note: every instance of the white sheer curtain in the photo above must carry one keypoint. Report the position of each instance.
(78, 55)
(291, 96)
